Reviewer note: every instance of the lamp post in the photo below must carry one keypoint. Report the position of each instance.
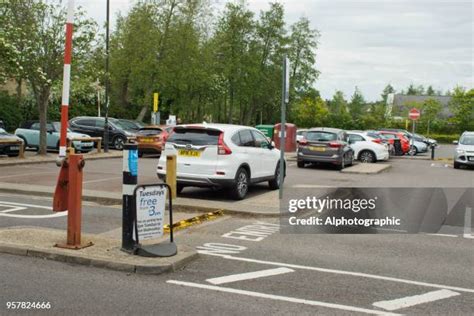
(106, 125)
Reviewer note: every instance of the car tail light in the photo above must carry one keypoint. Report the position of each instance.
(335, 145)
(303, 142)
(157, 139)
(222, 148)
(377, 140)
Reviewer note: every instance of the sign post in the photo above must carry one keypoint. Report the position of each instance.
(150, 216)
(285, 98)
(155, 117)
(413, 115)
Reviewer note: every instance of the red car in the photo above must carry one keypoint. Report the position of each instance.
(151, 139)
(404, 142)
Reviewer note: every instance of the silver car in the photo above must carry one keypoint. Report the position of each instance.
(464, 155)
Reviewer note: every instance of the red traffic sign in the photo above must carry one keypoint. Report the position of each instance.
(414, 114)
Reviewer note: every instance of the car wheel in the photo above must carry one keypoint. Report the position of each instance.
(343, 163)
(179, 188)
(367, 157)
(275, 183)
(140, 155)
(241, 185)
(300, 164)
(118, 142)
(413, 151)
(13, 155)
(456, 165)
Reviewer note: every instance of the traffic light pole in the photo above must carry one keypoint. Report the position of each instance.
(106, 125)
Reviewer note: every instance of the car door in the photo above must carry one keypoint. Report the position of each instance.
(52, 137)
(356, 143)
(266, 159)
(33, 134)
(253, 154)
(85, 126)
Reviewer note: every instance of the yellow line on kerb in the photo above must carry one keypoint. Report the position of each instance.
(194, 220)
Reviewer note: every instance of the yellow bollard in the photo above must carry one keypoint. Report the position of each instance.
(171, 174)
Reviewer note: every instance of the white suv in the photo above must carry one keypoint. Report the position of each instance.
(218, 155)
(367, 149)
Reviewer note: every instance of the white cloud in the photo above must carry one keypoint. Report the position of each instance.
(370, 43)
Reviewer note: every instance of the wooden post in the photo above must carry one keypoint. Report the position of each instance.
(99, 145)
(22, 150)
(171, 174)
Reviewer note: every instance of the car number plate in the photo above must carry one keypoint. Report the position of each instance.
(189, 153)
(471, 158)
(14, 147)
(146, 140)
(313, 148)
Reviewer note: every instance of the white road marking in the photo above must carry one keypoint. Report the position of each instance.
(100, 180)
(249, 275)
(467, 223)
(11, 208)
(415, 300)
(26, 174)
(443, 235)
(22, 206)
(343, 272)
(281, 298)
(310, 186)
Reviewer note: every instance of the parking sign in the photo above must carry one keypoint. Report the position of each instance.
(150, 203)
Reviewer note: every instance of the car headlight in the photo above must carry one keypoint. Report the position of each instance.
(460, 151)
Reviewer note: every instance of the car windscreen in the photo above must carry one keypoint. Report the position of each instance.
(194, 136)
(321, 136)
(57, 127)
(467, 140)
(149, 131)
(120, 125)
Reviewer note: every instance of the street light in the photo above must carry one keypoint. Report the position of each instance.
(106, 125)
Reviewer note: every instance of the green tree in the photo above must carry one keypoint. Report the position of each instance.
(35, 31)
(311, 111)
(338, 111)
(430, 91)
(462, 106)
(430, 111)
(357, 108)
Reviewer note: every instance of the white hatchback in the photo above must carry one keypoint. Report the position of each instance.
(219, 155)
(367, 149)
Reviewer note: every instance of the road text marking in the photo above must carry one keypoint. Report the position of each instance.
(249, 275)
(415, 300)
(343, 272)
(281, 298)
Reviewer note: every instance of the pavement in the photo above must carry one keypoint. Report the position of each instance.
(104, 253)
(365, 168)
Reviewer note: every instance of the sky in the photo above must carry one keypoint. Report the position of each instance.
(371, 43)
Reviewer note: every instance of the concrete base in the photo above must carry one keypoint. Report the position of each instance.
(367, 168)
(105, 253)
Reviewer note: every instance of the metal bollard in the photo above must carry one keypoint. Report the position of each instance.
(171, 175)
(433, 152)
(130, 175)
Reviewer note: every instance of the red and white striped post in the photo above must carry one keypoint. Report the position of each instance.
(66, 79)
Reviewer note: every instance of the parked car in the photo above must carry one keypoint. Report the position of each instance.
(7, 149)
(300, 134)
(132, 124)
(417, 144)
(29, 132)
(464, 155)
(382, 139)
(404, 142)
(428, 141)
(367, 149)
(326, 145)
(2, 124)
(151, 139)
(94, 126)
(218, 155)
